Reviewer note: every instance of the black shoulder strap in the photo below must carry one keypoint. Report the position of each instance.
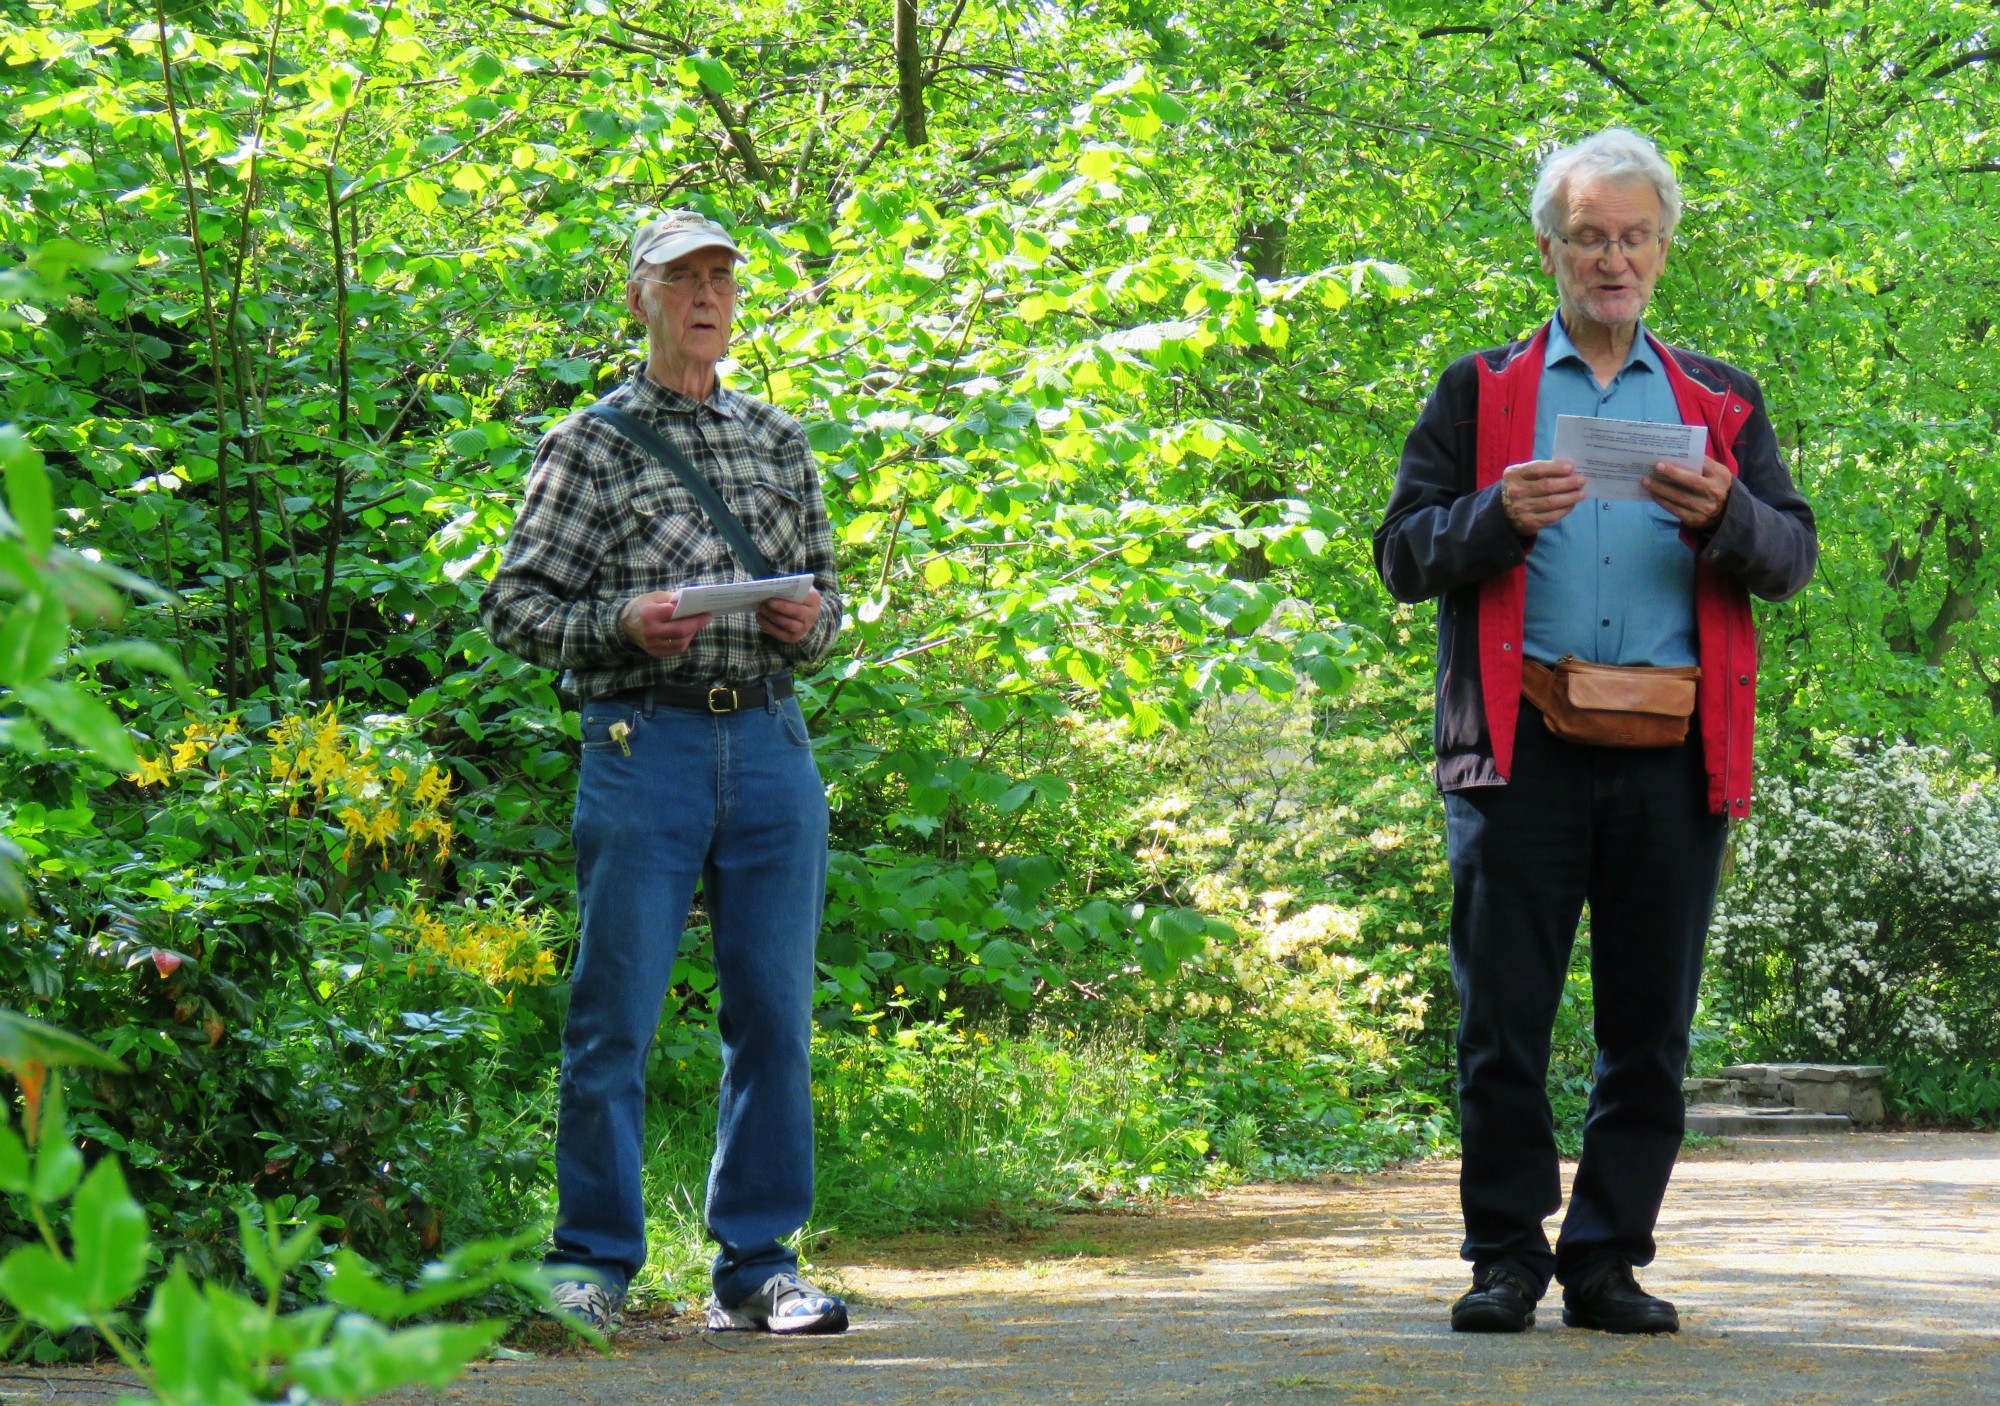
(704, 493)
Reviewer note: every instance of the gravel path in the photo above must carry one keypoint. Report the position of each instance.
(1836, 1269)
(1809, 1271)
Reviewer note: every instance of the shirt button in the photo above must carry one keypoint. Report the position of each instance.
(1745, 678)
(1604, 622)
(1506, 646)
(1607, 561)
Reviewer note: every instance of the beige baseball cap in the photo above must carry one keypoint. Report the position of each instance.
(676, 233)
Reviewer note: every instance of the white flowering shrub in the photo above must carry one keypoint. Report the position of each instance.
(1861, 919)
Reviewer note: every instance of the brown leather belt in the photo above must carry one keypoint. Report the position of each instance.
(1612, 705)
(716, 698)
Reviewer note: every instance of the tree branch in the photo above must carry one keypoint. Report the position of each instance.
(1598, 66)
(1945, 70)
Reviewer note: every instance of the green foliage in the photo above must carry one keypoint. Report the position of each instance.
(1310, 826)
(309, 1020)
(202, 1345)
(42, 590)
(1107, 358)
(1943, 1092)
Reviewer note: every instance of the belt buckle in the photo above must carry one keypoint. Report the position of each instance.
(719, 692)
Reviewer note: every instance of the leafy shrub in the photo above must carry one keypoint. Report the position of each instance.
(1944, 1092)
(1860, 916)
(203, 1345)
(261, 922)
(1311, 827)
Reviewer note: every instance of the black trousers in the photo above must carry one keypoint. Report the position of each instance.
(1629, 831)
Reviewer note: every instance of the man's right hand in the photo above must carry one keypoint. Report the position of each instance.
(648, 621)
(1539, 492)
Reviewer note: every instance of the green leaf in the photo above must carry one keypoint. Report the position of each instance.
(353, 1284)
(1180, 932)
(28, 497)
(363, 1359)
(42, 1287)
(189, 1359)
(32, 639)
(135, 654)
(828, 436)
(108, 1232)
(257, 1256)
(24, 1041)
(713, 72)
(87, 720)
(58, 1165)
(999, 955)
(484, 69)
(13, 1162)
(467, 443)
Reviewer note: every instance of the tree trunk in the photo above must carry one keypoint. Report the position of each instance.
(1260, 245)
(910, 74)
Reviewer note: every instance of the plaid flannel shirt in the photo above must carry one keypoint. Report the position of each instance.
(603, 522)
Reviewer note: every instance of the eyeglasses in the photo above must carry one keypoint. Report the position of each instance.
(723, 285)
(1593, 245)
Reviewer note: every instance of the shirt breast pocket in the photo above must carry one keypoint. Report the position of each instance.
(771, 513)
(1660, 518)
(661, 547)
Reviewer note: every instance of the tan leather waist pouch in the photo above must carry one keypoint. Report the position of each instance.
(1610, 705)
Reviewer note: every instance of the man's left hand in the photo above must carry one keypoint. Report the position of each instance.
(1697, 499)
(789, 620)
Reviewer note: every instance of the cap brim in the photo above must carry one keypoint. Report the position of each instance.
(675, 245)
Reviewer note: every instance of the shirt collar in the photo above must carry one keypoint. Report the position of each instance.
(1560, 349)
(650, 393)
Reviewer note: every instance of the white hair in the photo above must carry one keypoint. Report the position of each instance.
(1616, 154)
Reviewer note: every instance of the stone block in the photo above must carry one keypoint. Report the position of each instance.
(1853, 1091)
(1722, 1120)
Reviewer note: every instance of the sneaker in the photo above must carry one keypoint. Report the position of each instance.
(786, 1304)
(1607, 1297)
(590, 1304)
(1499, 1301)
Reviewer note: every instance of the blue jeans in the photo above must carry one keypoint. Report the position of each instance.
(735, 802)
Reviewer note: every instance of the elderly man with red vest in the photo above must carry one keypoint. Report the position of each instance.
(1596, 691)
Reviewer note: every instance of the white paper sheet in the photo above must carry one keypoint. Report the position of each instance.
(734, 596)
(1613, 455)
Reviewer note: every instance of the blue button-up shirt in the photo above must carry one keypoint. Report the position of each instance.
(1612, 582)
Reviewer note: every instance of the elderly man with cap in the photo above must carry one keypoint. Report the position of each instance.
(696, 770)
(1596, 695)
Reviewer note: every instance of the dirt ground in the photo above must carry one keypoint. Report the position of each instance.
(1855, 1268)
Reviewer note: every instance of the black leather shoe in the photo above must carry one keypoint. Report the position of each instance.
(1607, 1297)
(1499, 1301)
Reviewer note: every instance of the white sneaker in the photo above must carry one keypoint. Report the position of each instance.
(785, 1304)
(590, 1303)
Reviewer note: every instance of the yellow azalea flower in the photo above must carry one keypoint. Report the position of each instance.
(432, 788)
(152, 772)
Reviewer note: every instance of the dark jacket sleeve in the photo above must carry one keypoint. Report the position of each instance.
(1767, 538)
(1439, 532)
